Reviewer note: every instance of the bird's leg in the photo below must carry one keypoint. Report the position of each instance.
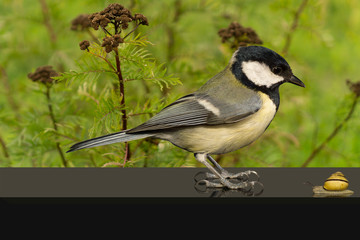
(222, 181)
(243, 176)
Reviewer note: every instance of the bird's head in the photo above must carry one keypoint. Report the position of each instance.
(261, 68)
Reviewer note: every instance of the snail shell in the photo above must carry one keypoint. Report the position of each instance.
(336, 182)
(335, 186)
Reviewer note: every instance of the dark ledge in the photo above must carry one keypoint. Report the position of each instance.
(157, 182)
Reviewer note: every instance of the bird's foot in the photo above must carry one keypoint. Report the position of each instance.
(217, 183)
(220, 178)
(241, 176)
(248, 188)
(232, 181)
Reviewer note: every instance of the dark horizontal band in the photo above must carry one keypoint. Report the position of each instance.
(341, 180)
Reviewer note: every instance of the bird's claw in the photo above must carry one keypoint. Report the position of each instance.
(247, 187)
(244, 176)
(238, 181)
(241, 176)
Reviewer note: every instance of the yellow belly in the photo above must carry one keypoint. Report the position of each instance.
(219, 139)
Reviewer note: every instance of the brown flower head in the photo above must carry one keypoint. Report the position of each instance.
(109, 43)
(354, 87)
(141, 19)
(117, 15)
(80, 23)
(117, 38)
(43, 75)
(84, 44)
(241, 36)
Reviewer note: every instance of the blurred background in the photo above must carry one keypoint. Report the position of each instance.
(320, 40)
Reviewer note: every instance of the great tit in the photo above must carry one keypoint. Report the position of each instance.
(228, 112)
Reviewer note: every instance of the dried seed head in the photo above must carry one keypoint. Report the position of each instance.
(141, 19)
(354, 87)
(242, 36)
(124, 25)
(109, 43)
(117, 15)
(80, 23)
(118, 38)
(94, 21)
(123, 18)
(106, 41)
(84, 44)
(43, 75)
(108, 48)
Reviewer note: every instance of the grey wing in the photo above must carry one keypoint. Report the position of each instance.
(199, 109)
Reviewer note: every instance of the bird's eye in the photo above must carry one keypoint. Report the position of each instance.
(276, 70)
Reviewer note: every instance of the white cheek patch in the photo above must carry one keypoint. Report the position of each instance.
(209, 106)
(260, 74)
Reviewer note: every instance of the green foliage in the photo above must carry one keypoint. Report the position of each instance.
(182, 44)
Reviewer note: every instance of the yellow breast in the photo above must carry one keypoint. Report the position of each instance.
(225, 138)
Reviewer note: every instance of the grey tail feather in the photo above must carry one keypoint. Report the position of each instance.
(108, 139)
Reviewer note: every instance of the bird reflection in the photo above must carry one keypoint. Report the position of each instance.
(202, 186)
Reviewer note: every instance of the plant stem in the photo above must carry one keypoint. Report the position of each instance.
(46, 21)
(52, 116)
(4, 148)
(106, 31)
(171, 34)
(294, 25)
(332, 135)
(137, 25)
(122, 103)
(8, 93)
(122, 90)
(103, 58)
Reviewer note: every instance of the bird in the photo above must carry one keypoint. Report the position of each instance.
(230, 111)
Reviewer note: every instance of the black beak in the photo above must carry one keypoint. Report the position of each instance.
(296, 81)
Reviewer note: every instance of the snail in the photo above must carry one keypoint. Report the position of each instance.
(336, 182)
(335, 186)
